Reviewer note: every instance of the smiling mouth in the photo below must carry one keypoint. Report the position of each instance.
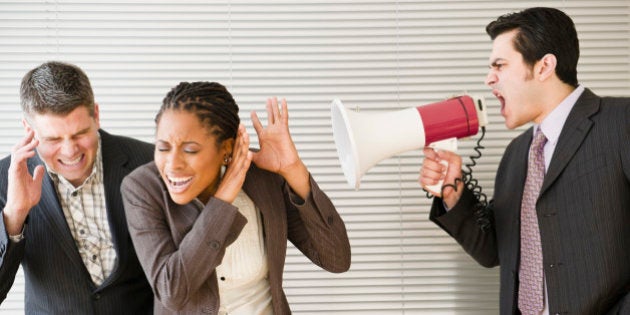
(178, 184)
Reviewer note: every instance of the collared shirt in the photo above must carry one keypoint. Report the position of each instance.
(243, 274)
(551, 127)
(85, 211)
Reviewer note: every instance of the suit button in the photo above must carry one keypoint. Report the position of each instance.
(330, 220)
(214, 245)
(97, 296)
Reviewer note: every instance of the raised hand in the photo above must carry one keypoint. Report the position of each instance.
(24, 190)
(277, 151)
(433, 171)
(236, 169)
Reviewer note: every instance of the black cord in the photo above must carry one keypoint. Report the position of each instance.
(480, 208)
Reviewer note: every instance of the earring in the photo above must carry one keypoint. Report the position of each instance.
(227, 159)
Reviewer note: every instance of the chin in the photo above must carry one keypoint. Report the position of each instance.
(180, 200)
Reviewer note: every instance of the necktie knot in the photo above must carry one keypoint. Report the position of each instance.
(539, 140)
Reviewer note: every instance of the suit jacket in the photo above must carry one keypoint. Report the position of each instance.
(57, 281)
(180, 247)
(583, 213)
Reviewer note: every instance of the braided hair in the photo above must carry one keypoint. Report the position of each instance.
(211, 102)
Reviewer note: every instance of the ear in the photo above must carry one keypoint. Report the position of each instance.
(227, 146)
(97, 116)
(26, 125)
(546, 67)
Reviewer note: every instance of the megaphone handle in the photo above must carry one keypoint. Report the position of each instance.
(436, 190)
(446, 145)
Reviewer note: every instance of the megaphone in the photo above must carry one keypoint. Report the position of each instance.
(364, 139)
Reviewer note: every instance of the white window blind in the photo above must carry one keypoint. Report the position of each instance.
(375, 55)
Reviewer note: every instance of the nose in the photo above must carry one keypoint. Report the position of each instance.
(491, 78)
(69, 148)
(174, 160)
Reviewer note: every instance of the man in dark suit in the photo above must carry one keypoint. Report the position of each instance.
(63, 216)
(558, 224)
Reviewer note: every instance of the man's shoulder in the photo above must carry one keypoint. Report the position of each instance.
(126, 141)
(136, 151)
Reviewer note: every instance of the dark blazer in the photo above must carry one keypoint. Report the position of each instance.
(180, 247)
(583, 213)
(57, 281)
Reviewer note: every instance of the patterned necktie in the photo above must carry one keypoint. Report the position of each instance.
(530, 290)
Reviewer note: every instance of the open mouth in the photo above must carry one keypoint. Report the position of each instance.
(501, 99)
(178, 184)
(71, 163)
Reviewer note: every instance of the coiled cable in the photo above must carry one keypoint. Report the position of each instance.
(480, 207)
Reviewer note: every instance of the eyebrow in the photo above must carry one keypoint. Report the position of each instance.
(182, 144)
(80, 132)
(495, 61)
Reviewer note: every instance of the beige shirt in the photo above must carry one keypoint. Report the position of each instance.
(85, 211)
(243, 274)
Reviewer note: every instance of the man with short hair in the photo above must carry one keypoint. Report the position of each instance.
(62, 213)
(558, 224)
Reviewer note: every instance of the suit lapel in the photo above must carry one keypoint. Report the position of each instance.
(114, 170)
(573, 133)
(50, 208)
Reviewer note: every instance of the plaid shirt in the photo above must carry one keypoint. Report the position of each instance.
(86, 214)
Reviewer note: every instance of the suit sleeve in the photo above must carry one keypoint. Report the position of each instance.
(461, 223)
(317, 230)
(177, 271)
(623, 305)
(11, 254)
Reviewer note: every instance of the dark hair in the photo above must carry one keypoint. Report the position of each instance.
(211, 102)
(542, 31)
(57, 88)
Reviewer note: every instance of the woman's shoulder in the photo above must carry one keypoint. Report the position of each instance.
(145, 177)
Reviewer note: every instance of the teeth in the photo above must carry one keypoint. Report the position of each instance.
(178, 181)
(72, 162)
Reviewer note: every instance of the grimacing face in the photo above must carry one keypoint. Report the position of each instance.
(68, 144)
(188, 157)
(513, 82)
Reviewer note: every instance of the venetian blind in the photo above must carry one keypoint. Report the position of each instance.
(374, 55)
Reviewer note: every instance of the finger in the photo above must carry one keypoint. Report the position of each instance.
(430, 153)
(256, 122)
(38, 175)
(285, 112)
(239, 144)
(28, 142)
(270, 118)
(245, 138)
(431, 175)
(275, 112)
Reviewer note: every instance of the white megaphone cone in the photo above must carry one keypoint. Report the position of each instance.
(364, 139)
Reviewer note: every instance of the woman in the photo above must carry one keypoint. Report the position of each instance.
(210, 227)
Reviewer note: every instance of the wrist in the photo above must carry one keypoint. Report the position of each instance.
(13, 221)
(16, 238)
(296, 169)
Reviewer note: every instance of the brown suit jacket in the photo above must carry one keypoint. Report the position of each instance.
(179, 246)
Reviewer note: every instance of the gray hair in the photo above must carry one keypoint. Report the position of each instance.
(56, 88)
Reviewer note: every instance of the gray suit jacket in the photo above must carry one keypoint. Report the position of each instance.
(57, 281)
(179, 246)
(583, 213)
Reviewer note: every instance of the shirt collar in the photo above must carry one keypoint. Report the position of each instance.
(552, 125)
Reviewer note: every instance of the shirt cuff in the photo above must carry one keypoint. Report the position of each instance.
(17, 238)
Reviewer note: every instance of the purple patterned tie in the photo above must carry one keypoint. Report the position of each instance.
(530, 290)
